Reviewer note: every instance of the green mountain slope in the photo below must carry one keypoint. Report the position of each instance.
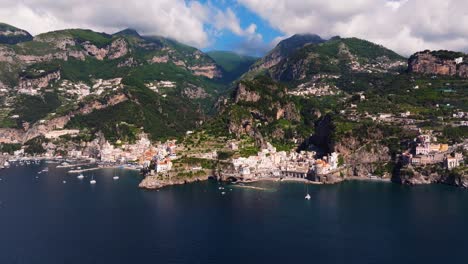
(281, 51)
(12, 35)
(234, 65)
(337, 56)
(168, 86)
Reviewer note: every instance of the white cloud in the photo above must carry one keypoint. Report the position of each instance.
(178, 19)
(403, 25)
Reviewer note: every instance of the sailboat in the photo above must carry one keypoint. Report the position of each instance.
(92, 181)
(81, 176)
(307, 197)
(115, 176)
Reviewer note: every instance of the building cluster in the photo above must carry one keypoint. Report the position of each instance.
(281, 164)
(54, 134)
(428, 152)
(142, 152)
(382, 65)
(155, 86)
(462, 116)
(82, 90)
(316, 87)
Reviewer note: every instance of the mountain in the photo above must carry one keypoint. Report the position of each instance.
(232, 64)
(282, 50)
(12, 35)
(334, 95)
(119, 84)
(336, 56)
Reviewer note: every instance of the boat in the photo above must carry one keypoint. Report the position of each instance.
(223, 193)
(115, 176)
(81, 176)
(64, 182)
(307, 197)
(6, 164)
(92, 181)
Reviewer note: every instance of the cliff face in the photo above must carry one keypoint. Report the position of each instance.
(38, 82)
(364, 159)
(117, 49)
(242, 94)
(431, 174)
(323, 136)
(261, 109)
(439, 63)
(210, 71)
(10, 135)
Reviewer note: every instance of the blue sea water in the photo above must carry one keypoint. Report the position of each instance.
(43, 220)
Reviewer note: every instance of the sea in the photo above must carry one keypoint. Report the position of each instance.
(53, 217)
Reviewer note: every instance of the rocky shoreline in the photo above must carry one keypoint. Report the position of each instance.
(155, 182)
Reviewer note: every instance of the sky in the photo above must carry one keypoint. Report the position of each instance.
(255, 26)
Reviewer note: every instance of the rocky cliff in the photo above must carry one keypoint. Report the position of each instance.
(37, 82)
(439, 63)
(322, 138)
(432, 174)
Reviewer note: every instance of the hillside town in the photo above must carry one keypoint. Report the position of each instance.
(426, 151)
(269, 163)
(100, 151)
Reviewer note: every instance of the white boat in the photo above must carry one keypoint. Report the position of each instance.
(223, 193)
(307, 197)
(64, 182)
(115, 176)
(81, 176)
(92, 181)
(6, 164)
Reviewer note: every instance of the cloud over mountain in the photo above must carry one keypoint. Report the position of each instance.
(178, 19)
(403, 25)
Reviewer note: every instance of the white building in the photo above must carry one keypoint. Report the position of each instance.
(453, 162)
(163, 165)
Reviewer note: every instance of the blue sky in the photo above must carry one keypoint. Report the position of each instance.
(227, 40)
